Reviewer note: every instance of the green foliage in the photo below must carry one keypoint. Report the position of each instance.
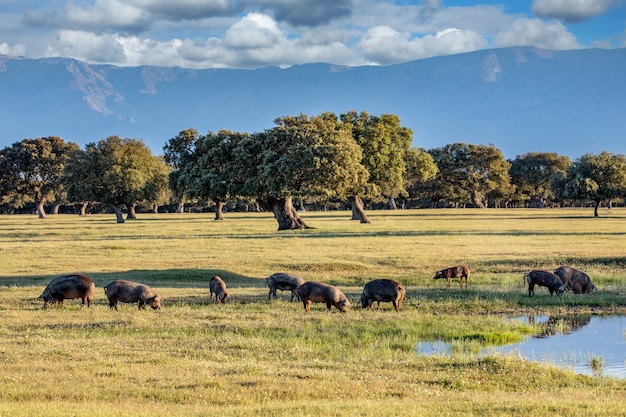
(469, 174)
(420, 167)
(180, 154)
(306, 156)
(532, 174)
(384, 143)
(597, 178)
(214, 171)
(31, 170)
(118, 172)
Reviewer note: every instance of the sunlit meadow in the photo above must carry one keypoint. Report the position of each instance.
(253, 356)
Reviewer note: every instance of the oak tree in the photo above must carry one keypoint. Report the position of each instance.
(214, 174)
(532, 174)
(122, 173)
(469, 173)
(597, 178)
(31, 170)
(420, 168)
(301, 156)
(180, 154)
(384, 143)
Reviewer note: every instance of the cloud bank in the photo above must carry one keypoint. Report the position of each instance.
(252, 34)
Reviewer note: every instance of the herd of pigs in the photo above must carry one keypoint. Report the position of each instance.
(74, 286)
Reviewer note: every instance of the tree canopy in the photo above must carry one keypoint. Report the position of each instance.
(213, 175)
(120, 173)
(420, 169)
(32, 170)
(324, 159)
(384, 143)
(302, 156)
(597, 178)
(532, 174)
(180, 153)
(470, 173)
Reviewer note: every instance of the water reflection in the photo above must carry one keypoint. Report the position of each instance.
(554, 325)
(590, 345)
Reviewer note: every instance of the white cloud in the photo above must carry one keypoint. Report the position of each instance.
(87, 46)
(384, 45)
(141, 51)
(15, 50)
(535, 32)
(258, 42)
(254, 31)
(571, 10)
(284, 52)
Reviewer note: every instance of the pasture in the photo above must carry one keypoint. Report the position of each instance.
(252, 356)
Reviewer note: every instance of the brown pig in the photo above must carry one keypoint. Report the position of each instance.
(69, 287)
(385, 290)
(461, 272)
(317, 292)
(218, 287)
(131, 292)
(284, 282)
(574, 280)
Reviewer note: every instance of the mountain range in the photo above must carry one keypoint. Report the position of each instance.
(520, 99)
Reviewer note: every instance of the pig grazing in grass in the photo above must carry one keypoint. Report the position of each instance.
(218, 287)
(131, 292)
(574, 280)
(284, 282)
(68, 287)
(544, 279)
(317, 292)
(385, 290)
(461, 272)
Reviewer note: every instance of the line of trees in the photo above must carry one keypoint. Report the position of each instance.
(305, 158)
(356, 158)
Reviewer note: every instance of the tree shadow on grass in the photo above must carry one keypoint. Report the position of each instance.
(177, 278)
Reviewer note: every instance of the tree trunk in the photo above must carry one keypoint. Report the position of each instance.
(358, 210)
(285, 214)
(595, 208)
(392, 204)
(355, 214)
(55, 208)
(131, 215)
(478, 201)
(41, 212)
(219, 210)
(83, 208)
(180, 208)
(155, 208)
(118, 213)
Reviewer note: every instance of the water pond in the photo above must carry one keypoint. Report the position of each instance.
(589, 345)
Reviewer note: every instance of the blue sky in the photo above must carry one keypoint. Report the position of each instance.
(253, 34)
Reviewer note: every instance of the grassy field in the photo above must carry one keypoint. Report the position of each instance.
(252, 356)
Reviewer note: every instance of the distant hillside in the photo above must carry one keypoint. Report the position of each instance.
(519, 99)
